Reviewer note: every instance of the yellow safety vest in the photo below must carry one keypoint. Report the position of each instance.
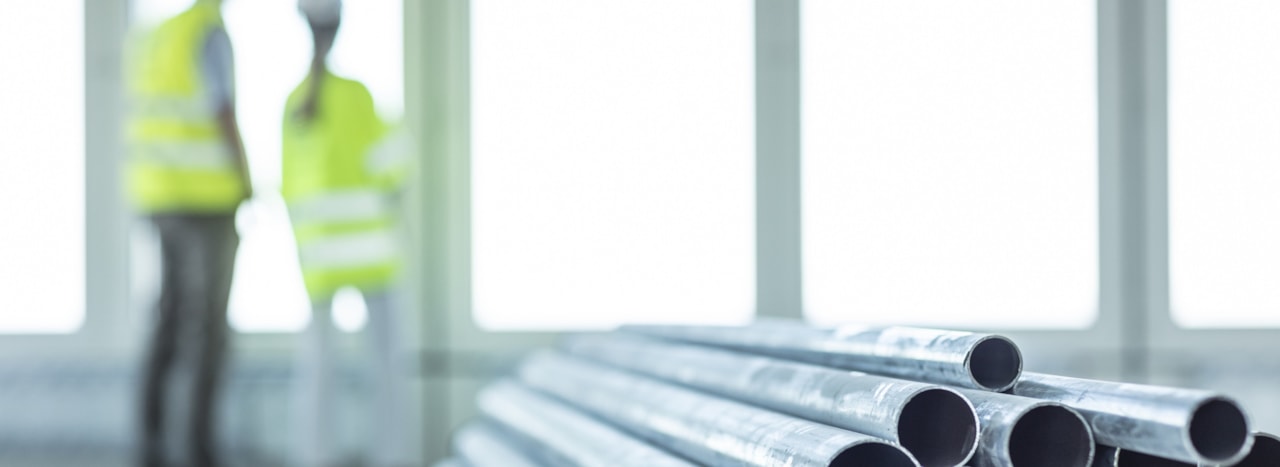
(178, 160)
(339, 171)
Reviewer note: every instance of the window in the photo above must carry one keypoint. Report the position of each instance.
(950, 163)
(612, 159)
(272, 51)
(42, 169)
(1224, 163)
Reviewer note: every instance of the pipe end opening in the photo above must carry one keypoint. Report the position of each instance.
(1137, 459)
(874, 454)
(939, 428)
(1050, 436)
(1265, 452)
(1219, 430)
(995, 363)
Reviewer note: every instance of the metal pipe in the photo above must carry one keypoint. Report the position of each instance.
(936, 424)
(1022, 432)
(964, 359)
(1186, 425)
(709, 430)
(1106, 456)
(481, 443)
(1265, 451)
(1110, 456)
(450, 462)
(561, 436)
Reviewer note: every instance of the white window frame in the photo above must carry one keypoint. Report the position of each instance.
(105, 328)
(1165, 337)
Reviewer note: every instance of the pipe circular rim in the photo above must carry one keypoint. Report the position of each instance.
(999, 363)
(1091, 443)
(1241, 439)
(971, 445)
(883, 454)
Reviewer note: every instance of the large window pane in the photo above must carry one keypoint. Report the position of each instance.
(612, 162)
(1224, 163)
(949, 164)
(272, 51)
(42, 253)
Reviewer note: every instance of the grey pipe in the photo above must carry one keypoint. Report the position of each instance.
(709, 430)
(482, 444)
(1110, 456)
(1265, 452)
(562, 436)
(1022, 432)
(1106, 456)
(1187, 425)
(964, 359)
(937, 425)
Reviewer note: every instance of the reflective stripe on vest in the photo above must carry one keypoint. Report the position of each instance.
(348, 251)
(184, 155)
(340, 206)
(186, 109)
(390, 154)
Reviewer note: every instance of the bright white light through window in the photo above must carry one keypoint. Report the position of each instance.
(272, 51)
(1224, 163)
(42, 155)
(349, 309)
(612, 162)
(950, 162)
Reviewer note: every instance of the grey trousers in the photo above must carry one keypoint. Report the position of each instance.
(190, 335)
(316, 409)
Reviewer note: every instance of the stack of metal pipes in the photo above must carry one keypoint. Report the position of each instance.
(780, 393)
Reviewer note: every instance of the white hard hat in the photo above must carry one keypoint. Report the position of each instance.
(321, 11)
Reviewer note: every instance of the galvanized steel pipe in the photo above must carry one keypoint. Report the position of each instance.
(1106, 456)
(965, 359)
(562, 436)
(1110, 456)
(450, 462)
(936, 424)
(1023, 432)
(707, 429)
(1186, 425)
(482, 443)
(1265, 452)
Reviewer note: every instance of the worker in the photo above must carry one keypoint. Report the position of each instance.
(341, 172)
(187, 173)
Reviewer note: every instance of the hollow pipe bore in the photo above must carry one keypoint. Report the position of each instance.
(873, 454)
(995, 363)
(939, 427)
(1265, 452)
(1050, 436)
(1218, 430)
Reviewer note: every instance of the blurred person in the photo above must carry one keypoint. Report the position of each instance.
(341, 174)
(187, 173)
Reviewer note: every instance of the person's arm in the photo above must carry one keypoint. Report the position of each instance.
(229, 127)
(218, 70)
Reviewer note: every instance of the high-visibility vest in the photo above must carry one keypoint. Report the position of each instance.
(177, 158)
(340, 170)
